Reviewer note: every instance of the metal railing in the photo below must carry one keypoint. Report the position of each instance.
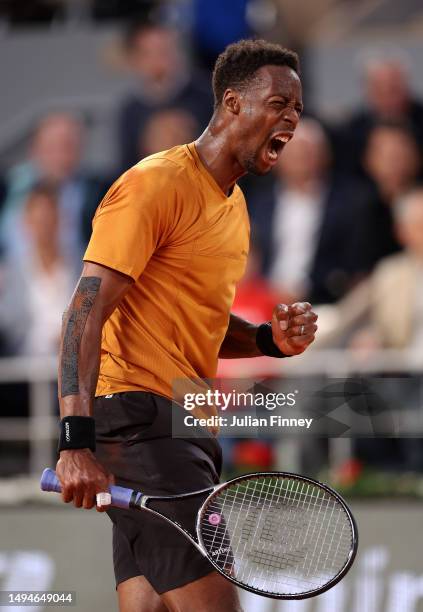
(40, 429)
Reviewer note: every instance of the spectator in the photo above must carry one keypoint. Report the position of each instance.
(218, 24)
(35, 288)
(166, 129)
(386, 312)
(54, 155)
(392, 163)
(388, 97)
(163, 80)
(304, 219)
(387, 308)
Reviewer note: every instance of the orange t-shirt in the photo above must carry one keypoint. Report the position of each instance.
(167, 224)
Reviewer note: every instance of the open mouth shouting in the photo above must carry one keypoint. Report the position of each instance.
(275, 145)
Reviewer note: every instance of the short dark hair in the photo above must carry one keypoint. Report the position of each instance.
(238, 63)
(398, 125)
(141, 26)
(401, 126)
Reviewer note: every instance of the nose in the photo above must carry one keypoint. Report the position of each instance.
(291, 116)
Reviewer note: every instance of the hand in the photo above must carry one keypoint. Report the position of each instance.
(82, 477)
(293, 327)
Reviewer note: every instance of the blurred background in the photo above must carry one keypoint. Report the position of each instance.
(91, 86)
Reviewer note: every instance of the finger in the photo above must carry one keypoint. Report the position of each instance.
(280, 321)
(112, 481)
(78, 496)
(301, 331)
(303, 319)
(67, 494)
(103, 500)
(102, 486)
(88, 501)
(301, 341)
(66, 487)
(299, 308)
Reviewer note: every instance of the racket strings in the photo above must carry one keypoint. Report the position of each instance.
(277, 535)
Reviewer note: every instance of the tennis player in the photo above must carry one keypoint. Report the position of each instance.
(169, 243)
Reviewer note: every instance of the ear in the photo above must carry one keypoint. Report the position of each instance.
(231, 101)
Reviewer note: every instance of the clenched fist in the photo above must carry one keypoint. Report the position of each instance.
(82, 477)
(293, 327)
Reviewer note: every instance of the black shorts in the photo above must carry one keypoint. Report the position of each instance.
(135, 444)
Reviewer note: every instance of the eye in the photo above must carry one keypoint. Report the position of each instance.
(278, 104)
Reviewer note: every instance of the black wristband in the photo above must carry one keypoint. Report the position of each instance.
(264, 341)
(77, 432)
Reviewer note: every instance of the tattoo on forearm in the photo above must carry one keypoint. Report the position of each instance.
(76, 318)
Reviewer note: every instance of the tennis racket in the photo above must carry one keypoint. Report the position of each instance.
(275, 534)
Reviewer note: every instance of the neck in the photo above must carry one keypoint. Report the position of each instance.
(214, 149)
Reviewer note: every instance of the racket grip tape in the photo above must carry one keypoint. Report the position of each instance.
(121, 497)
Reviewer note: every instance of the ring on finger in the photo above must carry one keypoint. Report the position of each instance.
(103, 499)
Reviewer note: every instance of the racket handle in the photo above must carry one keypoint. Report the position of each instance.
(50, 482)
(121, 497)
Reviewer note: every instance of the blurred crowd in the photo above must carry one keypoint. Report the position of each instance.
(339, 222)
(337, 218)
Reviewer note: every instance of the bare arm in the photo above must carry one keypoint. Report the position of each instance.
(240, 339)
(97, 294)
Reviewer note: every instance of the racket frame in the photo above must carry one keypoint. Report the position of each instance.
(141, 500)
